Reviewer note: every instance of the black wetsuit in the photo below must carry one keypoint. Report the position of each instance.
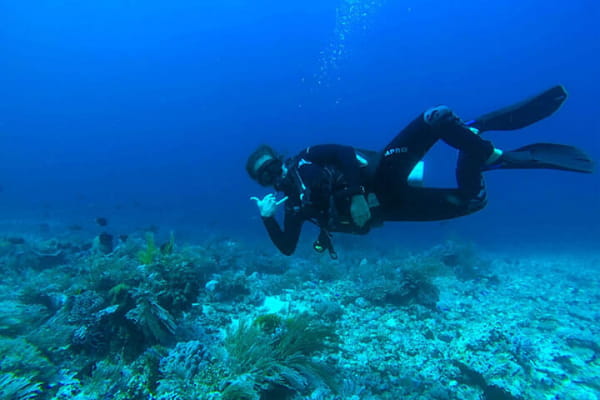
(321, 181)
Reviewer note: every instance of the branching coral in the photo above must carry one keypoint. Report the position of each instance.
(186, 360)
(188, 368)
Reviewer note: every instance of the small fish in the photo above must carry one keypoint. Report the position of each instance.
(151, 228)
(15, 240)
(102, 221)
(75, 227)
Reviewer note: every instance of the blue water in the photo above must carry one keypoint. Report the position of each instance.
(145, 111)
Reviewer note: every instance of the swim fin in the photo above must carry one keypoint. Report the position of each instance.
(544, 156)
(522, 114)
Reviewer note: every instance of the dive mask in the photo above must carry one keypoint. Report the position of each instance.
(268, 173)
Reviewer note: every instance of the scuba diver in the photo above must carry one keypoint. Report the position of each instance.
(345, 189)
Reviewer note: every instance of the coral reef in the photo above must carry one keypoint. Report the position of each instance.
(217, 320)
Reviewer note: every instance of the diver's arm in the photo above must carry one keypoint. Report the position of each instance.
(342, 157)
(286, 240)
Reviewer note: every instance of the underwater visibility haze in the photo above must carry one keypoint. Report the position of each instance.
(135, 266)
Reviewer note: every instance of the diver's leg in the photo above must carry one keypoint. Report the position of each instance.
(400, 156)
(410, 145)
(450, 128)
(429, 204)
(471, 185)
(475, 152)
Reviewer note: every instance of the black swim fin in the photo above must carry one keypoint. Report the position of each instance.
(522, 114)
(544, 156)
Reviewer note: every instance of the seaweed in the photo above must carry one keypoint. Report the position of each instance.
(168, 247)
(241, 389)
(17, 318)
(150, 253)
(269, 323)
(23, 358)
(13, 387)
(278, 356)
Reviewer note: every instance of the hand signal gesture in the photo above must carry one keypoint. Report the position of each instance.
(268, 205)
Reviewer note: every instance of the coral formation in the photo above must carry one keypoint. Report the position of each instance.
(220, 321)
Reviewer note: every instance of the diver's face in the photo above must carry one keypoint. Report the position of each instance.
(270, 172)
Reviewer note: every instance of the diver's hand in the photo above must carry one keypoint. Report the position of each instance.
(268, 205)
(359, 210)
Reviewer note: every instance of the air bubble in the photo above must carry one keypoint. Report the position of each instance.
(351, 16)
